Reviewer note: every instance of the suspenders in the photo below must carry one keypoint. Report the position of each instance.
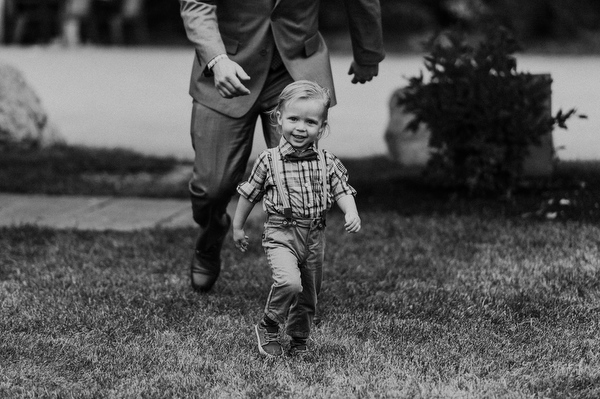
(287, 206)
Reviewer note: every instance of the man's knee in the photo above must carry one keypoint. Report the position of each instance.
(213, 191)
(208, 204)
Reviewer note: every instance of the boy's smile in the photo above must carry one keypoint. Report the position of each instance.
(302, 122)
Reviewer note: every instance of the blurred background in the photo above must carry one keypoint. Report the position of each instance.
(115, 72)
(574, 24)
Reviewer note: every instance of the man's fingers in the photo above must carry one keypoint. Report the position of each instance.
(239, 87)
(363, 73)
(231, 88)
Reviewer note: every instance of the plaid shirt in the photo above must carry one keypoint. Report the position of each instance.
(302, 180)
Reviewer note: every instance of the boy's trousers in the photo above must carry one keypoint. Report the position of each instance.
(295, 254)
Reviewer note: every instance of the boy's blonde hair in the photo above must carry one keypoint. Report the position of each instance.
(306, 90)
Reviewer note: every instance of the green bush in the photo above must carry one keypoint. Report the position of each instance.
(483, 115)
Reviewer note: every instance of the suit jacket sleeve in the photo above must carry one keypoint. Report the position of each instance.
(364, 19)
(202, 29)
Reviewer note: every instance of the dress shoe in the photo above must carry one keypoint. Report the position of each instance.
(206, 261)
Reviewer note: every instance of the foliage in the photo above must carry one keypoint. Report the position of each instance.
(482, 113)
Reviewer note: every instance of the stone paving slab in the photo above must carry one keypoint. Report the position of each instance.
(125, 214)
(101, 213)
(93, 213)
(44, 210)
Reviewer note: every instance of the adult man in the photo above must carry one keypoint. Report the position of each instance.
(247, 51)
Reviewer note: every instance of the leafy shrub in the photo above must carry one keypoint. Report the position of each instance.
(483, 115)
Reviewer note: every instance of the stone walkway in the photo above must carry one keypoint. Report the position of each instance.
(99, 213)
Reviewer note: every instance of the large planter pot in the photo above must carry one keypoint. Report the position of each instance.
(411, 148)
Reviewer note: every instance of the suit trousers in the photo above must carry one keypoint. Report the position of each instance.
(222, 146)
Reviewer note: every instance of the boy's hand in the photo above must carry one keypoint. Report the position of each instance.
(352, 224)
(241, 239)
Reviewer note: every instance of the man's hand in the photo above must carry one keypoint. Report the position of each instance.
(362, 73)
(228, 77)
(241, 239)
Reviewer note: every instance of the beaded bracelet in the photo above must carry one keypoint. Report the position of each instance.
(216, 59)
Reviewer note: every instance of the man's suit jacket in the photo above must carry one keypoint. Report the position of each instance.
(248, 30)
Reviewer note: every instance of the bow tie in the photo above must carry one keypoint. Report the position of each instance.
(307, 155)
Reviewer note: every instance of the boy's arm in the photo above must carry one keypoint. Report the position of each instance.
(348, 206)
(244, 207)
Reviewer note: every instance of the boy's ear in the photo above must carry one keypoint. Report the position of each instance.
(278, 115)
(323, 128)
(323, 125)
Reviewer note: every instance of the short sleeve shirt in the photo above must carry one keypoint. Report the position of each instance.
(302, 181)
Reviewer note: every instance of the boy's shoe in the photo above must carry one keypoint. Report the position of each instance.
(298, 347)
(298, 350)
(268, 341)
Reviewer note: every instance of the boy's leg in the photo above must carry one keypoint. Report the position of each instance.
(286, 285)
(222, 147)
(303, 309)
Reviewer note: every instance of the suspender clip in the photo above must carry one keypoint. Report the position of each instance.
(289, 220)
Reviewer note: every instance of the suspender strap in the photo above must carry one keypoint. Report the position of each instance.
(287, 207)
(325, 185)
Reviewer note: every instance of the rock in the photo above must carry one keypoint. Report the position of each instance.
(23, 119)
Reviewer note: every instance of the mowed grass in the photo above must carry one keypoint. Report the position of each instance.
(415, 305)
(440, 295)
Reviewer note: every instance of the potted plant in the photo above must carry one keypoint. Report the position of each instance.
(482, 115)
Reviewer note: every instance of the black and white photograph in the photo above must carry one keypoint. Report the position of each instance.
(300, 199)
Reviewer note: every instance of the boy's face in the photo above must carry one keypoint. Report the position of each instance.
(302, 122)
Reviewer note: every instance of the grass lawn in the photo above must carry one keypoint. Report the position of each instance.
(438, 296)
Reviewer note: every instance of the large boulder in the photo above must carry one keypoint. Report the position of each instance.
(23, 119)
